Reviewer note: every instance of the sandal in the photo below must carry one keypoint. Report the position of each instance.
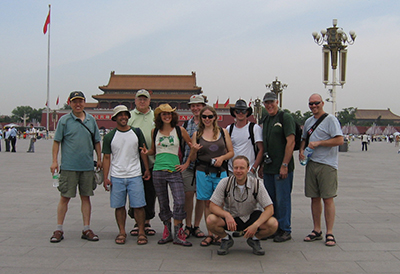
(313, 236)
(142, 239)
(330, 241)
(197, 232)
(89, 235)
(120, 239)
(206, 242)
(188, 231)
(148, 230)
(135, 231)
(217, 240)
(58, 235)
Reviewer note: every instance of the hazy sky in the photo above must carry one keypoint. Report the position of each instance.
(235, 47)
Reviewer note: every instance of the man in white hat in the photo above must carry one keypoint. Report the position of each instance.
(123, 143)
(143, 117)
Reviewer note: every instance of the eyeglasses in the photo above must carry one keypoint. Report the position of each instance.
(314, 103)
(207, 116)
(238, 111)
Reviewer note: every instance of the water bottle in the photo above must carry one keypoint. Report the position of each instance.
(307, 153)
(56, 176)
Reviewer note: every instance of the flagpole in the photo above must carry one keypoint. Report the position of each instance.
(48, 73)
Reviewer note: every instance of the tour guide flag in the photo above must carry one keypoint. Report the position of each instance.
(46, 23)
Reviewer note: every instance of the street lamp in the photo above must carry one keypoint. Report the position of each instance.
(333, 41)
(277, 87)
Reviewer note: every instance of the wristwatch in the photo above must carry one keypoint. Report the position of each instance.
(285, 165)
(252, 169)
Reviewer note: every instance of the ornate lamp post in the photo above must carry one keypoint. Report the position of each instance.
(277, 87)
(333, 41)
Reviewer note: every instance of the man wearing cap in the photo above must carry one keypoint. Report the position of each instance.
(196, 103)
(321, 171)
(78, 134)
(143, 117)
(123, 143)
(279, 131)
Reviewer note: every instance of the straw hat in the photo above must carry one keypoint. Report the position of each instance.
(163, 108)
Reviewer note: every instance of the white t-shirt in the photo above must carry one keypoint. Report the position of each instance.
(364, 138)
(241, 142)
(32, 133)
(125, 161)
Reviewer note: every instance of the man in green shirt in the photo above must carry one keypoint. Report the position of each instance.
(279, 139)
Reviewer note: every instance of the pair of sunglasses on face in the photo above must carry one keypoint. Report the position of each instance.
(207, 116)
(314, 103)
(242, 111)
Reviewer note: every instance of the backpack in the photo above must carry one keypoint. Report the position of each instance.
(231, 179)
(181, 141)
(251, 133)
(298, 131)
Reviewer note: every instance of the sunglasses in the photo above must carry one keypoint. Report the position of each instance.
(207, 116)
(238, 111)
(314, 103)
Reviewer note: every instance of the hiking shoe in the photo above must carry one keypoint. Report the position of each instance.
(180, 237)
(89, 235)
(167, 237)
(255, 244)
(238, 234)
(225, 245)
(283, 237)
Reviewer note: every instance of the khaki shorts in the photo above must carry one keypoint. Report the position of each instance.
(70, 179)
(187, 176)
(320, 181)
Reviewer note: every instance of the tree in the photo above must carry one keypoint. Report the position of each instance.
(346, 116)
(66, 106)
(21, 111)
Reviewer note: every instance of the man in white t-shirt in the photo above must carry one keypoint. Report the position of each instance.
(364, 142)
(32, 136)
(245, 143)
(124, 143)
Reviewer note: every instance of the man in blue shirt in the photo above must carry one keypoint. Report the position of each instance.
(78, 134)
(13, 138)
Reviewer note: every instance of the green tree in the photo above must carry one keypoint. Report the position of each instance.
(66, 106)
(346, 116)
(34, 114)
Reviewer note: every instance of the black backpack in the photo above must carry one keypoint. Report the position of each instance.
(251, 133)
(298, 131)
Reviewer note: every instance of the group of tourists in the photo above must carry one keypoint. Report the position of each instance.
(240, 178)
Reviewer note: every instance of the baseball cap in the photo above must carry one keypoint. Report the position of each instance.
(270, 96)
(142, 92)
(76, 95)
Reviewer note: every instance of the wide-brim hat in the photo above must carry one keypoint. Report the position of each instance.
(118, 109)
(163, 108)
(241, 104)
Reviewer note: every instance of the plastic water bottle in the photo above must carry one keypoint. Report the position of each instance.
(56, 176)
(307, 153)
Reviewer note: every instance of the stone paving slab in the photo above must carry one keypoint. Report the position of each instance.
(367, 226)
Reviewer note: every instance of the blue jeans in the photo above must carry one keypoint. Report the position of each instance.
(280, 192)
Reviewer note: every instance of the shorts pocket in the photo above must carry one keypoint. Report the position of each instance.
(63, 184)
(94, 184)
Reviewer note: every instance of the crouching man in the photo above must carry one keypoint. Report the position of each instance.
(235, 206)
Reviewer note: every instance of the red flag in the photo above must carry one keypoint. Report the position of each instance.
(58, 100)
(226, 103)
(216, 104)
(46, 104)
(46, 23)
(250, 102)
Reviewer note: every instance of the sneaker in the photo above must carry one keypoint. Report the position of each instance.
(255, 244)
(277, 233)
(225, 245)
(238, 234)
(180, 237)
(89, 235)
(283, 237)
(166, 237)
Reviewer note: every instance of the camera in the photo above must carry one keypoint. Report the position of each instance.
(212, 162)
(267, 159)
